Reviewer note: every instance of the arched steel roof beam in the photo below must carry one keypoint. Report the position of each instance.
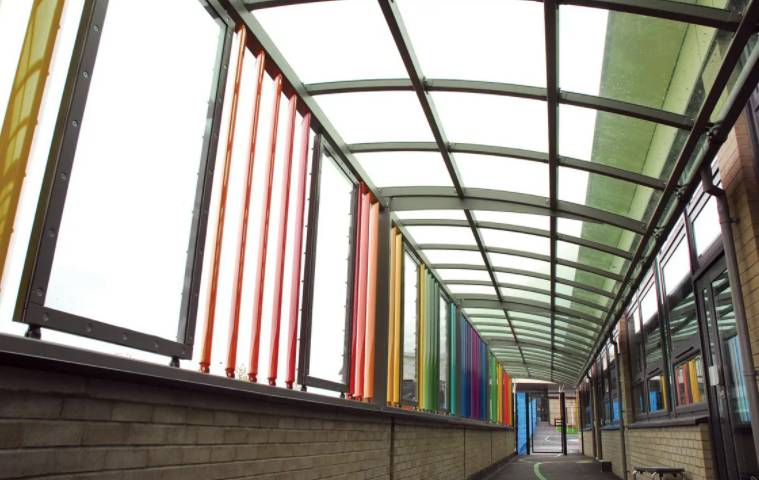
(540, 157)
(541, 343)
(580, 324)
(682, 12)
(610, 105)
(524, 306)
(522, 253)
(425, 222)
(516, 271)
(526, 288)
(446, 198)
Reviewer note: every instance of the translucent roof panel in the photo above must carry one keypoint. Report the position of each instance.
(376, 116)
(520, 263)
(470, 311)
(515, 293)
(437, 234)
(590, 256)
(586, 278)
(493, 120)
(602, 233)
(503, 173)
(345, 31)
(619, 141)
(462, 274)
(460, 289)
(454, 256)
(510, 31)
(405, 169)
(524, 280)
(515, 241)
(606, 193)
(431, 214)
(542, 222)
(644, 60)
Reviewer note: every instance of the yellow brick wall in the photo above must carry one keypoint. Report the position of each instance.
(737, 165)
(686, 447)
(612, 450)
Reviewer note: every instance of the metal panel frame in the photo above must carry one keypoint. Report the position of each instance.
(31, 303)
(320, 152)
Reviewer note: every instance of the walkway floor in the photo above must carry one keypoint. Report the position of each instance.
(552, 467)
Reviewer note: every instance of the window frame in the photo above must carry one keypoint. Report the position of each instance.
(408, 249)
(31, 307)
(322, 151)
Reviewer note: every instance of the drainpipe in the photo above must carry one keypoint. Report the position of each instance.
(731, 261)
(621, 408)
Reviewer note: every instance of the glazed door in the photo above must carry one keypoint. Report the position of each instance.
(733, 441)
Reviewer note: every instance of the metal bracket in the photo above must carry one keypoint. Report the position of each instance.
(33, 331)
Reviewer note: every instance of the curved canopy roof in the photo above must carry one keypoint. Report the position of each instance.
(532, 151)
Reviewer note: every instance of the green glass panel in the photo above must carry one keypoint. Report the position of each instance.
(639, 59)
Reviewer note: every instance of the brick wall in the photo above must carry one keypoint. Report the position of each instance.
(686, 447)
(72, 426)
(736, 162)
(612, 450)
(586, 437)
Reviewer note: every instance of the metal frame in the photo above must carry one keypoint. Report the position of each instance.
(320, 152)
(31, 304)
(459, 197)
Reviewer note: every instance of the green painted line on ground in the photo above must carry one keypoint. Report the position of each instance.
(536, 471)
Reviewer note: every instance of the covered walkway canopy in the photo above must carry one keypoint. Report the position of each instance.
(534, 153)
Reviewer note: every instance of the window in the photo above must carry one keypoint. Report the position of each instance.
(587, 407)
(657, 393)
(689, 381)
(706, 227)
(409, 367)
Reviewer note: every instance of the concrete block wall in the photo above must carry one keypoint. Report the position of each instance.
(612, 450)
(687, 447)
(65, 426)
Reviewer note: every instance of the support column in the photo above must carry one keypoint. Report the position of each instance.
(382, 307)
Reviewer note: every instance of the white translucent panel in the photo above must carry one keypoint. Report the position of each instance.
(462, 274)
(376, 116)
(568, 226)
(491, 38)
(567, 251)
(431, 214)
(493, 120)
(483, 311)
(648, 305)
(677, 266)
(454, 256)
(14, 18)
(331, 274)
(577, 131)
(459, 289)
(520, 263)
(503, 173)
(522, 280)
(706, 228)
(405, 169)
(10, 277)
(524, 294)
(564, 289)
(582, 37)
(443, 366)
(344, 32)
(438, 234)
(573, 185)
(542, 222)
(515, 241)
(121, 257)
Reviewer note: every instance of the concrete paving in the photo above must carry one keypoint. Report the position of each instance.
(551, 467)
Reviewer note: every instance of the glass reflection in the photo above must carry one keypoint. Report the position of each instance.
(409, 367)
